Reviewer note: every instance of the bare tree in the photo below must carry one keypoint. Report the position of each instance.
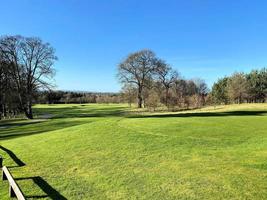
(137, 69)
(153, 100)
(129, 93)
(32, 66)
(180, 91)
(201, 92)
(167, 77)
(8, 100)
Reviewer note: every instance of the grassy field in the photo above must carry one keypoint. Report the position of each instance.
(109, 152)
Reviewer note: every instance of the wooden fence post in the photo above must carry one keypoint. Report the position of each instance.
(14, 190)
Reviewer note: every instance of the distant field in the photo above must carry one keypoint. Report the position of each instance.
(111, 152)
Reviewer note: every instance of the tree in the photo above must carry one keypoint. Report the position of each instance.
(219, 91)
(257, 85)
(129, 93)
(180, 91)
(138, 69)
(237, 87)
(201, 91)
(4, 82)
(8, 100)
(153, 100)
(167, 77)
(32, 66)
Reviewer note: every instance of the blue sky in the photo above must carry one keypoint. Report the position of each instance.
(200, 38)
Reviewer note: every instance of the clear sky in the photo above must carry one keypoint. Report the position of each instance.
(199, 38)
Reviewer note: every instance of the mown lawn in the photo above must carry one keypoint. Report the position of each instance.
(108, 152)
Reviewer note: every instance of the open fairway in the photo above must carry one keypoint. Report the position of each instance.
(107, 152)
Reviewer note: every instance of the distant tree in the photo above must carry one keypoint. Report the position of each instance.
(32, 66)
(209, 99)
(201, 91)
(257, 85)
(167, 77)
(237, 87)
(4, 88)
(191, 88)
(202, 87)
(180, 91)
(153, 100)
(8, 101)
(138, 69)
(129, 93)
(53, 97)
(219, 91)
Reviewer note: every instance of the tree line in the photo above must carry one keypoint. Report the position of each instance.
(26, 66)
(153, 82)
(66, 97)
(241, 87)
(26, 77)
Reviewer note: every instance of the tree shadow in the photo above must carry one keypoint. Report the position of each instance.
(13, 156)
(19, 128)
(81, 112)
(39, 181)
(203, 114)
(31, 129)
(45, 187)
(8, 124)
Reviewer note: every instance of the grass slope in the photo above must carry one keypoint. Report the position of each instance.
(104, 152)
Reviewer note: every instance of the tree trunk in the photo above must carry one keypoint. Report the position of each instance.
(1, 111)
(166, 97)
(28, 110)
(140, 99)
(4, 111)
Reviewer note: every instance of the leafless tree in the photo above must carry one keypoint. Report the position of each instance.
(201, 92)
(138, 69)
(167, 77)
(129, 93)
(32, 66)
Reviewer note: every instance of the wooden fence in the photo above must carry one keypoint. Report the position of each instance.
(14, 190)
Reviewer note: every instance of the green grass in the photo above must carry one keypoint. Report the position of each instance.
(109, 152)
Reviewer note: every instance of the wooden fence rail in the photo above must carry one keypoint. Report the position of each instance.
(14, 190)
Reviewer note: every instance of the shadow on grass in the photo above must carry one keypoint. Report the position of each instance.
(13, 156)
(17, 128)
(204, 114)
(31, 129)
(39, 181)
(45, 187)
(6, 124)
(81, 112)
